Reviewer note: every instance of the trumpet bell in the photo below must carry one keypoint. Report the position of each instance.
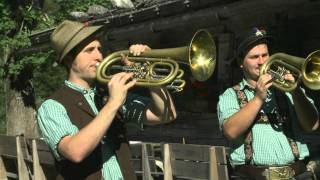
(202, 55)
(311, 71)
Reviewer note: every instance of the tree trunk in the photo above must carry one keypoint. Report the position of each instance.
(20, 104)
(20, 118)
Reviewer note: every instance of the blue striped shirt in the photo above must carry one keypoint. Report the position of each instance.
(270, 146)
(55, 124)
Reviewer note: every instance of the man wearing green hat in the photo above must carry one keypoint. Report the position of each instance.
(83, 127)
(263, 124)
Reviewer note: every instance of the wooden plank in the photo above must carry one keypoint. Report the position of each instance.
(167, 162)
(190, 152)
(218, 163)
(213, 164)
(136, 149)
(8, 145)
(223, 172)
(22, 167)
(191, 161)
(138, 159)
(37, 169)
(137, 165)
(221, 156)
(45, 156)
(145, 163)
(10, 164)
(3, 175)
(190, 169)
(44, 153)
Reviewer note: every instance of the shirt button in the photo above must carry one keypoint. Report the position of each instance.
(80, 103)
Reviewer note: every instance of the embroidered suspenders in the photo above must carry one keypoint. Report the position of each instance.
(281, 118)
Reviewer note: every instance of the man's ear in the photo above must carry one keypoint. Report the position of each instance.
(239, 62)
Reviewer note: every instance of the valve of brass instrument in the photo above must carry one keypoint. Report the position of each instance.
(307, 69)
(160, 67)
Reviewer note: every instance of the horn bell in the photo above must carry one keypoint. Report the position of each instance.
(311, 71)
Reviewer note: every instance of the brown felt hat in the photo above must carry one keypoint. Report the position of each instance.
(68, 35)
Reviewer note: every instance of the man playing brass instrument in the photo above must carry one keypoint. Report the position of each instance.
(263, 124)
(84, 130)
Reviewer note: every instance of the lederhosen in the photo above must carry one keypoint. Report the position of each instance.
(80, 114)
(277, 119)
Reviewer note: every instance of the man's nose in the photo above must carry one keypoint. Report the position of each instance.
(98, 55)
(261, 60)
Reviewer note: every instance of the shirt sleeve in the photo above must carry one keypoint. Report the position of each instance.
(54, 124)
(133, 110)
(227, 105)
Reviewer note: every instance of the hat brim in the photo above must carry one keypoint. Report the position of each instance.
(78, 38)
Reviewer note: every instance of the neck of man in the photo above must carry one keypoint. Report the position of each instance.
(87, 84)
(251, 82)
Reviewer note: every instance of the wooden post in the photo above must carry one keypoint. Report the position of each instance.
(167, 162)
(213, 164)
(3, 172)
(145, 163)
(37, 169)
(22, 167)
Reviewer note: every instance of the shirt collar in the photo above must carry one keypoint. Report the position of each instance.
(79, 88)
(245, 85)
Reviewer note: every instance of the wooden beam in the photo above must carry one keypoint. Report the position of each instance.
(145, 163)
(167, 162)
(22, 167)
(37, 169)
(3, 172)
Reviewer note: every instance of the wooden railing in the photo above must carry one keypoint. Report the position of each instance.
(25, 159)
(31, 159)
(189, 161)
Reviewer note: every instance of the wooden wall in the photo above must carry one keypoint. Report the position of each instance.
(293, 24)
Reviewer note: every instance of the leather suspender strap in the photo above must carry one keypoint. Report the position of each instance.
(287, 126)
(248, 150)
(262, 118)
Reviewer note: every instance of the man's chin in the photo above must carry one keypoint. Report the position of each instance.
(255, 77)
(91, 77)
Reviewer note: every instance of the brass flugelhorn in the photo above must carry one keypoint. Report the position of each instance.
(160, 67)
(308, 69)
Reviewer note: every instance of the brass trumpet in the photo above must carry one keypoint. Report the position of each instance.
(280, 64)
(159, 67)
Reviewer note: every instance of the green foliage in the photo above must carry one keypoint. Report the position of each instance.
(18, 20)
(6, 22)
(47, 78)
